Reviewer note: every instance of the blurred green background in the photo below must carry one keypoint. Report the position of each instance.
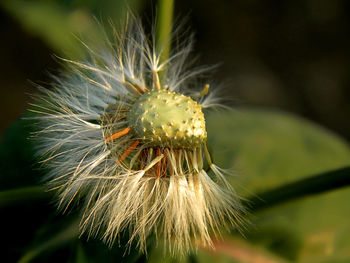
(290, 55)
(274, 57)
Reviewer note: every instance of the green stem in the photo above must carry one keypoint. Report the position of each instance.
(67, 234)
(23, 195)
(306, 187)
(164, 28)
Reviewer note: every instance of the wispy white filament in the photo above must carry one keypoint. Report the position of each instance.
(184, 207)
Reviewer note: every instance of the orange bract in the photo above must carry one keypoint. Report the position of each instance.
(128, 151)
(117, 135)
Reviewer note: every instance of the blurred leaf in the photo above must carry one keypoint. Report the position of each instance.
(53, 23)
(96, 250)
(58, 23)
(113, 10)
(306, 230)
(271, 149)
(268, 149)
(235, 250)
(159, 254)
(81, 256)
(310, 230)
(23, 195)
(17, 157)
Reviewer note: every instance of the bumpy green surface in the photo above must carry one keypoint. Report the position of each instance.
(167, 119)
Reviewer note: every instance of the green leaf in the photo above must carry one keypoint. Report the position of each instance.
(53, 23)
(160, 254)
(310, 229)
(59, 23)
(269, 150)
(236, 250)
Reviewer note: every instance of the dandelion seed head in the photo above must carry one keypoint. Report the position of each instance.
(131, 146)
(150, 114)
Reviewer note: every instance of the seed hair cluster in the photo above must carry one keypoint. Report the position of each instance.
(131, 146)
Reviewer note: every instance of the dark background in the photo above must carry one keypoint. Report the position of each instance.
(287, 55)
(282, 55)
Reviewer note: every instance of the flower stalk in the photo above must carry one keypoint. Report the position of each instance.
(164, 29)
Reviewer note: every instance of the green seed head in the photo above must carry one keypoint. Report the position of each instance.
(167, 119)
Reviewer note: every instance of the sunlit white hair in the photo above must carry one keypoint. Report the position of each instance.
(124, 184)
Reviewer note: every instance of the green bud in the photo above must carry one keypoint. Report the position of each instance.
(167, 119)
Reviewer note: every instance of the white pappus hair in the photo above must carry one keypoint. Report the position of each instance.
(93, 136)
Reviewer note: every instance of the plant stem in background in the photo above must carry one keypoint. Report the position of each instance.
(316, 184)
(23, 195)
(67, 234)
(164, 27)
(306, 187)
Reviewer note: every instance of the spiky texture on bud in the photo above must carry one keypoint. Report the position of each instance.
(131, 146)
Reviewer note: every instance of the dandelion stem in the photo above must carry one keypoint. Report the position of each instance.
(163, 30)
(156, 82)
(305, 187)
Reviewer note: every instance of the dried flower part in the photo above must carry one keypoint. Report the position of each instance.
(135, 153)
